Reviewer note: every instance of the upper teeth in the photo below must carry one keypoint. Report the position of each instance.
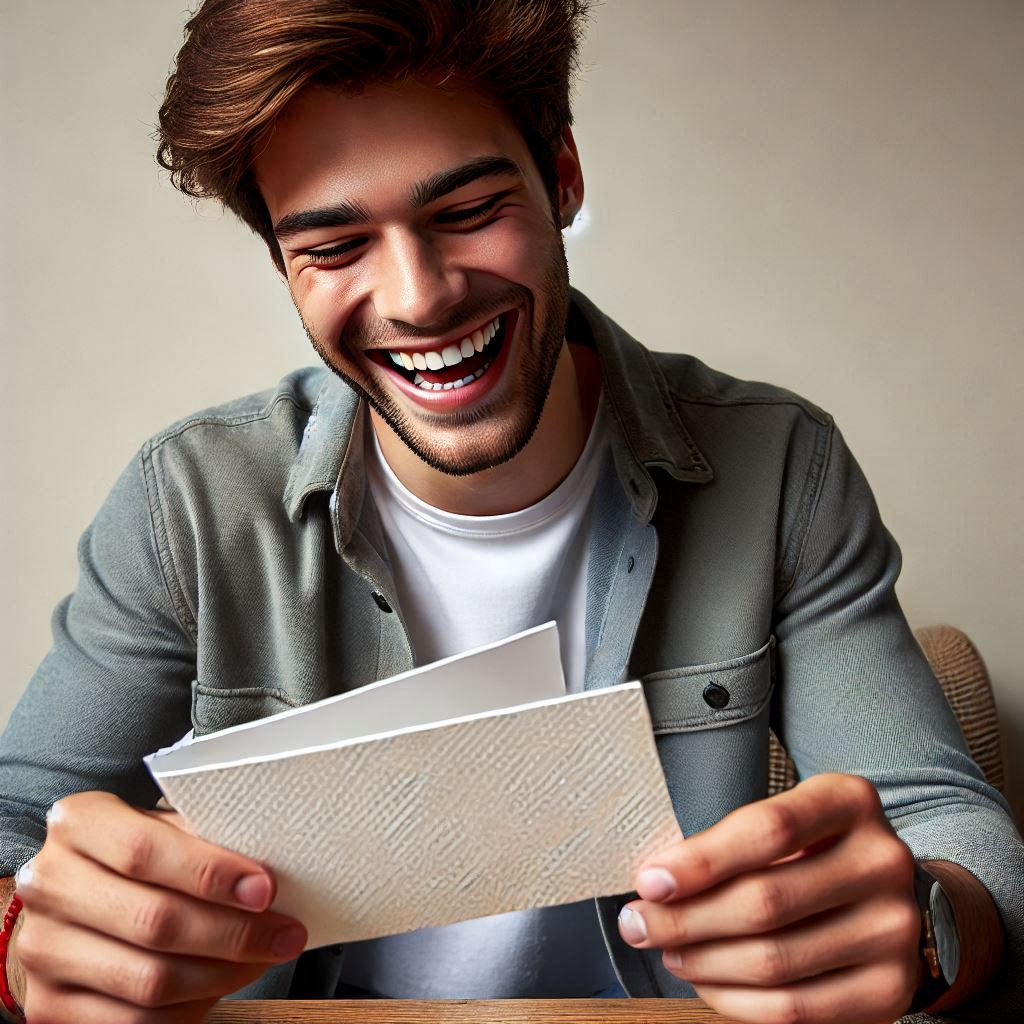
(450, 355)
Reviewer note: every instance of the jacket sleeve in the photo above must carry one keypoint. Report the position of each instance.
(114, 686)
(857, 695)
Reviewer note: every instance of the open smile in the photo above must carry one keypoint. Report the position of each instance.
(469, 364)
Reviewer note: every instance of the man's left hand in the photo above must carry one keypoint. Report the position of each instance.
(798, 908)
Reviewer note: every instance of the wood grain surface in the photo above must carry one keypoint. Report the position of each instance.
(480, 1011)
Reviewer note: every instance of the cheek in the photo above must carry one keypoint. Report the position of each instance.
(510, 249)
(323, 299)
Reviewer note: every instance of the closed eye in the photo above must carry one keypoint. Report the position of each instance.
(325, 255)
(472, 213)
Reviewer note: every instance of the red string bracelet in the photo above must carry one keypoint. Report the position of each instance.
(10, 1003)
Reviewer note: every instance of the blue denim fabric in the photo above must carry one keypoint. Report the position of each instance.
(232, 573)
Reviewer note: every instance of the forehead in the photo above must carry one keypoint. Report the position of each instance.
(333, 144)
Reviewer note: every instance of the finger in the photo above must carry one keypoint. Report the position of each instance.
(138, 845)
(870, 931)
(83, 892)
(780, 895)
(88, 960)
(856, 995)
(60, 1003)
(755, 835)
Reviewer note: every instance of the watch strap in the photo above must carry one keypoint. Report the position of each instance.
(933, 981)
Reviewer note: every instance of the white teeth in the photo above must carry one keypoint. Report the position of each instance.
(450, 355)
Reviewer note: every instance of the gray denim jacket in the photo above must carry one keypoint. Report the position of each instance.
(236, 570)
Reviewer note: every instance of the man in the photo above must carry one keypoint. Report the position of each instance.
(490, 452)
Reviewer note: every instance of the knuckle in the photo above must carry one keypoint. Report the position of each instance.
(136, 854)
(157, 923)
(699, 864)
(863, 795)
(905, 927)
(30, 947)
(771, 963)
(208, 878)
(239, 937)
(150, 983)
(789, 1009)
(767, 904)
(778, 827)
(892, 863)
(40, 1005)
(894, 987)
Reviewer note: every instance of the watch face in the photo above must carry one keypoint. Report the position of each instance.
(947, 939)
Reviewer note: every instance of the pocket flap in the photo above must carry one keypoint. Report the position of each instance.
(215, 708)
(709, 696)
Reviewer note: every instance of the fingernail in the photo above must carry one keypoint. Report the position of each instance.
(632, 926)
(655, 884)
(23, 876)
(289, 942)
(253, 891)
(672, 960)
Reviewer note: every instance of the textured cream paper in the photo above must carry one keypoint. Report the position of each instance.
(544, 803)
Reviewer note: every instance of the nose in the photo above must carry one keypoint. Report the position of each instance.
(415, 285)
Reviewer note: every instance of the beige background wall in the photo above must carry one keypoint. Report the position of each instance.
(819, 193)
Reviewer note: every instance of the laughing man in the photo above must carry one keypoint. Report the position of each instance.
(485, 450)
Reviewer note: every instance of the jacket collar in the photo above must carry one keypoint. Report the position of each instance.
(648, 431)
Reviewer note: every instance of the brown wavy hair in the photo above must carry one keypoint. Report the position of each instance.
(243, 60)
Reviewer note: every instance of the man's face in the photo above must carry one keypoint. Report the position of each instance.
(422, 253)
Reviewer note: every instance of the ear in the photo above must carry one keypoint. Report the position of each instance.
(570, 178)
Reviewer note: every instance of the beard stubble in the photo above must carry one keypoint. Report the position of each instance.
(490, 438)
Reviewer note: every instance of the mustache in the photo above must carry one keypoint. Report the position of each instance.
(478, 309)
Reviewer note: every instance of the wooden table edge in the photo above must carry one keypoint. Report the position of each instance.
(480, 1011)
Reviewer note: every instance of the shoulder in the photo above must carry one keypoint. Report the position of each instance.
(692, 383)
(294, 397)
(233, 458)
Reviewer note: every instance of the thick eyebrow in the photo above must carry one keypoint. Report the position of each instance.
(346, 214)
(437, 185)
(337, 215)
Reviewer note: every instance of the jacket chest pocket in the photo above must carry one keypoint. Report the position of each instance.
(711, 728)
(215, 708)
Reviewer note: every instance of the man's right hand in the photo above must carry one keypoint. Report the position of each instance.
(130, 918)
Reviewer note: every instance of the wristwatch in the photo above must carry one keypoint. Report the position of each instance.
(940, 939)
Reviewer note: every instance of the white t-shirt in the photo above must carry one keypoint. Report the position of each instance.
(463, 581)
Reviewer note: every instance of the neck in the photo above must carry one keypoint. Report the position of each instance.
(534, 472)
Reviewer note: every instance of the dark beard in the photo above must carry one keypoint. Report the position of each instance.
(542, 346)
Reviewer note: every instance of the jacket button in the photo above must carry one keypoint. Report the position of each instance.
(716, 696)
(381, 602)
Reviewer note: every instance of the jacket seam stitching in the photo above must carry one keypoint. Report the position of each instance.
(161, 541)
(822, 419)
(794, 550)
(667, 395)
(225, 421)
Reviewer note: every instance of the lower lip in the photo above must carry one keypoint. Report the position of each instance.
(456, 398)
